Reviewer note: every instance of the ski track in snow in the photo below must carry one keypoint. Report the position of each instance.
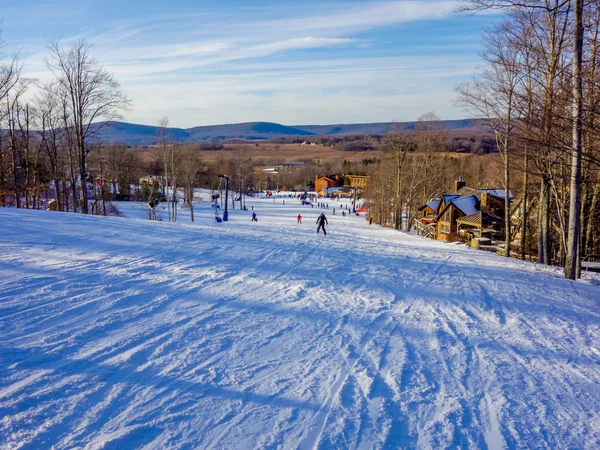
(124, 333)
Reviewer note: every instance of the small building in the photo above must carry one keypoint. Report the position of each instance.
(333, 192)
(292, 165)
(337, 180)
(447, 228)
(328, 181)
(358, 181)
(429, 210)
(464, 214)
(270, 170)
(151, 180)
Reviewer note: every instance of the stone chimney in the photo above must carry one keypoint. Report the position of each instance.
(484, 200)
(458, 184)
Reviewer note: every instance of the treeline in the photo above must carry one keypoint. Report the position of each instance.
(415, 168)
(45, 142)
(457, 141)
(540, 90)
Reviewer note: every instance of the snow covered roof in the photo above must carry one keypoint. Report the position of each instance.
(500, 193)
(331, 190)
(467, 205)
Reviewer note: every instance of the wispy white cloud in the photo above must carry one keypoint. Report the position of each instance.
(352, 18)
(299, 43)
(369, 89)
(148, 62)
(260, 63)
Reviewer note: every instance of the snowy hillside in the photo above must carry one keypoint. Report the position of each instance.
(124, 333)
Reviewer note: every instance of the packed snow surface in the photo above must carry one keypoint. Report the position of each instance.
(125, 333)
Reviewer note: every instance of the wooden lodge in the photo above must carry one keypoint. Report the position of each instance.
(328, 181)
(151, 180)
(465, 214)
(325, 183)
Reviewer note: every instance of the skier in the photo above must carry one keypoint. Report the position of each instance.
(254, 218)
(321, 221)
(299, 218)
(370, 220)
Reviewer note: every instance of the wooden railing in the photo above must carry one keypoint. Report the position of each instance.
(424, 230)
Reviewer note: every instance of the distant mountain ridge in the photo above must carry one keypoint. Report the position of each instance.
(134, 134)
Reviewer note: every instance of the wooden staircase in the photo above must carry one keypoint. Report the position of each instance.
(428, 231)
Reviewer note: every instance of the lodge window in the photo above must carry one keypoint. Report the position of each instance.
(445, 228)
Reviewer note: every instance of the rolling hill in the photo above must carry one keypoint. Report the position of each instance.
(134, 134)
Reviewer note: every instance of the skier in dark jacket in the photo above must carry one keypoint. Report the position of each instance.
(321, 221)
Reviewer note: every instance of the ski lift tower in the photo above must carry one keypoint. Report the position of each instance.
(354, 201)
(225, 213)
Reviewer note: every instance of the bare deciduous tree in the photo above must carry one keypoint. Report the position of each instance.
(166, 155)
(492, 95)
(558, 17)
(398, 144)
(91, 95)
(189, 167)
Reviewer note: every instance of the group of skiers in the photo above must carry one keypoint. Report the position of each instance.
(321, 221)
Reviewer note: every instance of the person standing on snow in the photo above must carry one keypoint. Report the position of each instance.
(321, 221)
(299, 218)
(254, 218)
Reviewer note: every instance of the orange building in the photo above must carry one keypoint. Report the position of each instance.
(337, 180)
(323, 182)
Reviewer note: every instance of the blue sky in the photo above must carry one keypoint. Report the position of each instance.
(294, 62)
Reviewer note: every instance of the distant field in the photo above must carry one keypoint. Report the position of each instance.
(271, 153)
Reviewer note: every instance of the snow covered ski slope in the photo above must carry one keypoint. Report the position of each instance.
(122, 333)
